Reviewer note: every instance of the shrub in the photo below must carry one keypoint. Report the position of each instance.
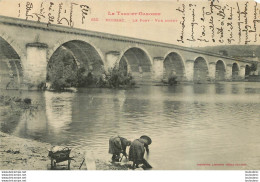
(59, 85)
(27, 101)
(116, 78)
(41, 86)
(85, 79)
(253, 67)
(172, 80)
(62, 71)
(62, 74)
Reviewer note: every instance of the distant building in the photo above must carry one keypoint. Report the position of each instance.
(223, 52)
(252, 57)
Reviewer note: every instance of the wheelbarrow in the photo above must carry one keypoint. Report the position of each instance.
(60, 155)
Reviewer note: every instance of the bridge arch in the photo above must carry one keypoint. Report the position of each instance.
(137, 47)
(173, 64)
(84, 53)
(11, 73)
(235, 71)
(13, 44)
(201, 70)
(69, 57)
(136, 60)
(220, 70)
(65, 40)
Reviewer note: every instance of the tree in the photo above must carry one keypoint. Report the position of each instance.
(62, 71)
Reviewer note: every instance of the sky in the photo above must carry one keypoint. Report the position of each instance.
(164, 21)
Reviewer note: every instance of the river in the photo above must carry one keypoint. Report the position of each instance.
(190, 125)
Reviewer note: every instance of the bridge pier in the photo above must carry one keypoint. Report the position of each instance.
(112, 59)
(242, 72)
(158, 68)
(229, 72)
(189, 70)
(35, 65)
(212, 71)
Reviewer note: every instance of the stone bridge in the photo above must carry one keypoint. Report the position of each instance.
(28, 47)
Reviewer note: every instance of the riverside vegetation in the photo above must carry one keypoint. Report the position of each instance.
(65, 74)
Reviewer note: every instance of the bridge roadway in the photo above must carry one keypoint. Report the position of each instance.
(27, 47)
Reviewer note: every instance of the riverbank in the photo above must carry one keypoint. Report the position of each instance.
(25, 154)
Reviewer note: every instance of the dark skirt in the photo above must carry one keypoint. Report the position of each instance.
(115, 146)
(136, 152)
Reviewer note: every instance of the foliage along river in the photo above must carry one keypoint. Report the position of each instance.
(190, 125)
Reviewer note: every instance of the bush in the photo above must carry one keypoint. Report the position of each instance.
(27, 101)
(63, 74)
(42, 86)
(116, 78)
(253, 67)
(62, 71)
(85, 79)
(59, 85)
(172, 80)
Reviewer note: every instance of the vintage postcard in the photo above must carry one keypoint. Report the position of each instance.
(129, 85)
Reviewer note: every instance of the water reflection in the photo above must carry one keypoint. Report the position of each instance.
(200, 88)
(58, 110)
(29, 123)
(9, 122)
(175, 89)
(220, 88)
(33, 124)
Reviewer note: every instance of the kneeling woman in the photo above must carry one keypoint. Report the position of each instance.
(137, 150)
(117, 145)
